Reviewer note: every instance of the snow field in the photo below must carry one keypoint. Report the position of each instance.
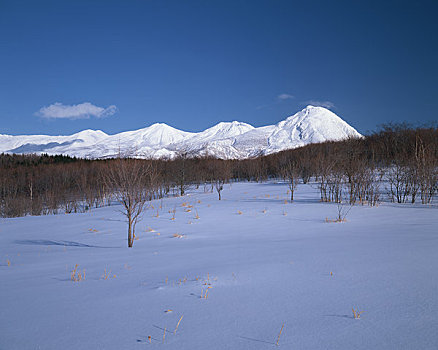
(265, 269)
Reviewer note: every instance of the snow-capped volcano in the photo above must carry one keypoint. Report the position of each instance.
(227, 140)
(311, 125)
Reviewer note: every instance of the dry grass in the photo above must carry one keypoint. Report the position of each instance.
(177, 235)
(9, 262)
(177, 325)
(164, 334)
(204, 293)
(279, 334)
(107, 275)
(197, 216)
(174, 213)
(76, 275)
(356, 313)
(335, 220)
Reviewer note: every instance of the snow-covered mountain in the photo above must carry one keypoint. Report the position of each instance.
(227, 140)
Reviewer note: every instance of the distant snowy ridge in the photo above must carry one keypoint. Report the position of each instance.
(227, 140)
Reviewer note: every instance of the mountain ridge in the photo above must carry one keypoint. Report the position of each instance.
(227, 140)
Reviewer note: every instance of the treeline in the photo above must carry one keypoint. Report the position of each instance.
(14, 160)
(398, 162)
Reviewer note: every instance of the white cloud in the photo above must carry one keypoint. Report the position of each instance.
(285, 97)
(80, 111)
(325, 104)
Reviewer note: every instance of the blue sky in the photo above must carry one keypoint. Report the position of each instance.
(121, 65)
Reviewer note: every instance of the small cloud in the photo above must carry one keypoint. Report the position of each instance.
(80, 111)
(280, 98)
(283, 97)
(325, 104)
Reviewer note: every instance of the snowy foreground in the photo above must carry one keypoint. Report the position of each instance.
(271, 264)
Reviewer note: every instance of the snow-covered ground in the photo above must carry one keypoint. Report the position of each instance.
(269, 264)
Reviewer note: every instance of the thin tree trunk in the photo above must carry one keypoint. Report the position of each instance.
(130, 232)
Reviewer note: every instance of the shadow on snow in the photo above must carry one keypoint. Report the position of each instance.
(57, 243)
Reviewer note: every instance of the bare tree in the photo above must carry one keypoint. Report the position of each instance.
(342, 211)
(131, 182)
(180, 172)
(290, 173)
(325, 168)
(220, 173)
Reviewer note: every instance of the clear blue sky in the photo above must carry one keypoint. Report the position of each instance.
(191, 64)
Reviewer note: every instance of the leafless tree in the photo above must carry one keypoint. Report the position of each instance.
(131, 182)
(290, 173)
(221, 173)
(180, 172)
(342, 211)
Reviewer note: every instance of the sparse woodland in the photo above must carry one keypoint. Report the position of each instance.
(398, 163)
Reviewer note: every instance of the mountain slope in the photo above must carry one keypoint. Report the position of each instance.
(227, 140)
(311, 125)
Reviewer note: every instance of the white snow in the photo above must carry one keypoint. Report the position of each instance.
(228, 140)
(311, 125)
(265, 269)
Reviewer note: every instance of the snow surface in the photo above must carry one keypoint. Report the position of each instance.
(265, 269)
(228, 140)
